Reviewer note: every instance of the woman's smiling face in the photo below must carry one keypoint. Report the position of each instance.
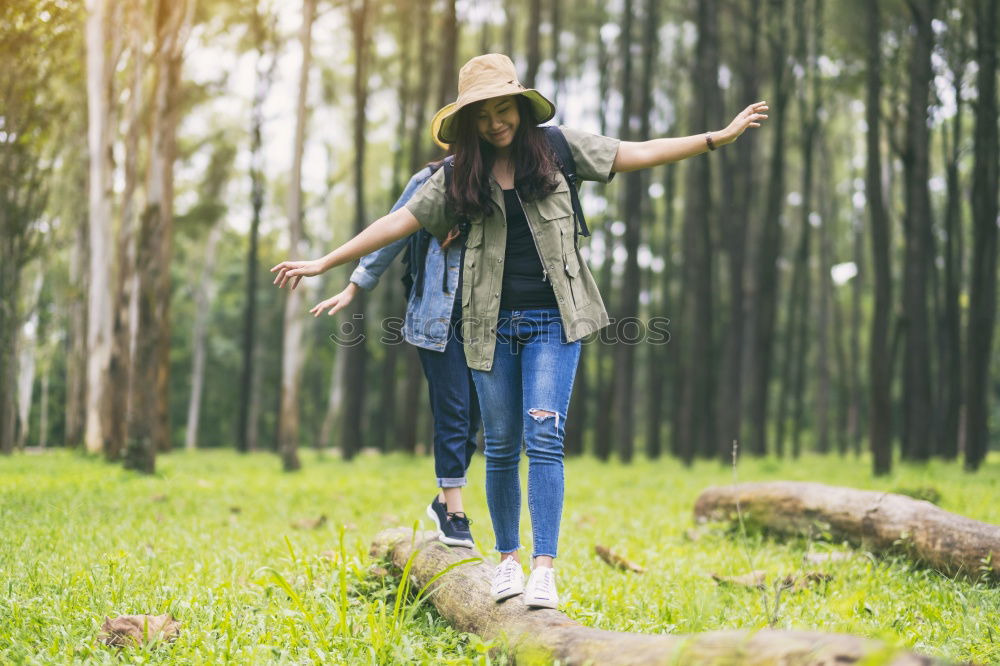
(497, 121)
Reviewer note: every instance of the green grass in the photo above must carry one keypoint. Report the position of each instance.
(210, 540)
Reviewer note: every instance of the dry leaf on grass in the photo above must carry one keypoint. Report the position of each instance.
(616, 560)
(821, 558)
(757, 579)
(376, 571)
(309, 523)
(802, 581)
(158, 498)
(126, 630)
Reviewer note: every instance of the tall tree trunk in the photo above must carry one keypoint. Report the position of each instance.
(555, 7)
(663, 365)
(880, 410)
(291, 353)
(736, 225)
(951, 314)
(100, 70)
(125, 288)
(76, 344)
(917, 403)
(828, 206)
(246, 425)
(149, 427)
(697, 431)
(810, 109)
(407, 430)
(43, 404)
(27, 351)
(356, 355)
(448, 38)
(603, 386)
(623, 354)
(982, 300)
(203, 304)
(766, 296)
(534, 40)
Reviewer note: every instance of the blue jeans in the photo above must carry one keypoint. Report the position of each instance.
(454, 406)
(525, 398)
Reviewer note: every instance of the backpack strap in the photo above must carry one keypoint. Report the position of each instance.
(567, 165)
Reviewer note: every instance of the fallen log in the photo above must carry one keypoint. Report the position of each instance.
(462, 596)
(877, 521)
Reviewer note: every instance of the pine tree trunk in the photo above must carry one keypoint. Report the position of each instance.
(76, 345)
(951, 319)
(27, 352)
(985, 181)
(623, 353)
(736, 224)
(125, 297)
(204, 297)
(697, 432)
(246, 425)
(100, 69)
(291, 352)
(917, 404)
(534, 41)
(766, 296)
(356, 355)
(880, 416)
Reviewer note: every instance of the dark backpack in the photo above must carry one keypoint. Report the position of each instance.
(416, 249)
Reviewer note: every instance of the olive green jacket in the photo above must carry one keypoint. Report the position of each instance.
(551, 222)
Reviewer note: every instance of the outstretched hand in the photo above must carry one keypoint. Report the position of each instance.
(752, 116)
(294, 271)
(336, 303)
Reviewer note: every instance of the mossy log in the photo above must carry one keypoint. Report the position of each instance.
(462, 596)
(877, 521)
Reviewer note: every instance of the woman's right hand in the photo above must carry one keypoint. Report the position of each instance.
(295, 271)
(336, 303)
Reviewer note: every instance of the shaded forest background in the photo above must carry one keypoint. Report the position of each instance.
(830, 280)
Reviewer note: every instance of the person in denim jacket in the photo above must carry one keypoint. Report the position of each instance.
(432, 315)
(528, 297)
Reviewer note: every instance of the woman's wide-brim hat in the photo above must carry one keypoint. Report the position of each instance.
(486, 77)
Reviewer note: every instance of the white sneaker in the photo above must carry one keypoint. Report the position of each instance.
(508, 580)
(540, 592)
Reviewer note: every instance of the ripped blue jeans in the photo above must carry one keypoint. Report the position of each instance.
(524, 398)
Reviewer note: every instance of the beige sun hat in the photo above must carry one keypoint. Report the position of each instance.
(485, 77)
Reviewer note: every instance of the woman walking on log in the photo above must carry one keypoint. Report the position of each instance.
(431, 325)
(527, 298)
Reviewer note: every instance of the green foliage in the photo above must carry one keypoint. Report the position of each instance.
(209, 540)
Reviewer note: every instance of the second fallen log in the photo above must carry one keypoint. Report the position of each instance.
(878, 521)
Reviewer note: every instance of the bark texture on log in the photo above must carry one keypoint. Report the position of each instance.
(462, 596)
(878, 521)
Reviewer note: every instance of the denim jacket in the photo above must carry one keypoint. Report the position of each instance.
(428, 313)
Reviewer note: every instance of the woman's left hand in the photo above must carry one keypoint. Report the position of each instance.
(752, 116)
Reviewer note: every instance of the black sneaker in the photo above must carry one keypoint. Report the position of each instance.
(453, 528)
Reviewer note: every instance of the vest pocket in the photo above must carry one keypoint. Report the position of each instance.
(578, 291)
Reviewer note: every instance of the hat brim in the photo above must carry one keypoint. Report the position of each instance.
(437, 120)
(542, 109)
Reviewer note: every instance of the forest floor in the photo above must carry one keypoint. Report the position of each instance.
(238, 553)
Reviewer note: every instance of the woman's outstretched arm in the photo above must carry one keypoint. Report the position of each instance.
(378, 234)
(634, 155)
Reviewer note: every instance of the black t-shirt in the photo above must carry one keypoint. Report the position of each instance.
(524, 283)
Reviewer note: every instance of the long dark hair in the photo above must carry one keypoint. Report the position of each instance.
(534, 163)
